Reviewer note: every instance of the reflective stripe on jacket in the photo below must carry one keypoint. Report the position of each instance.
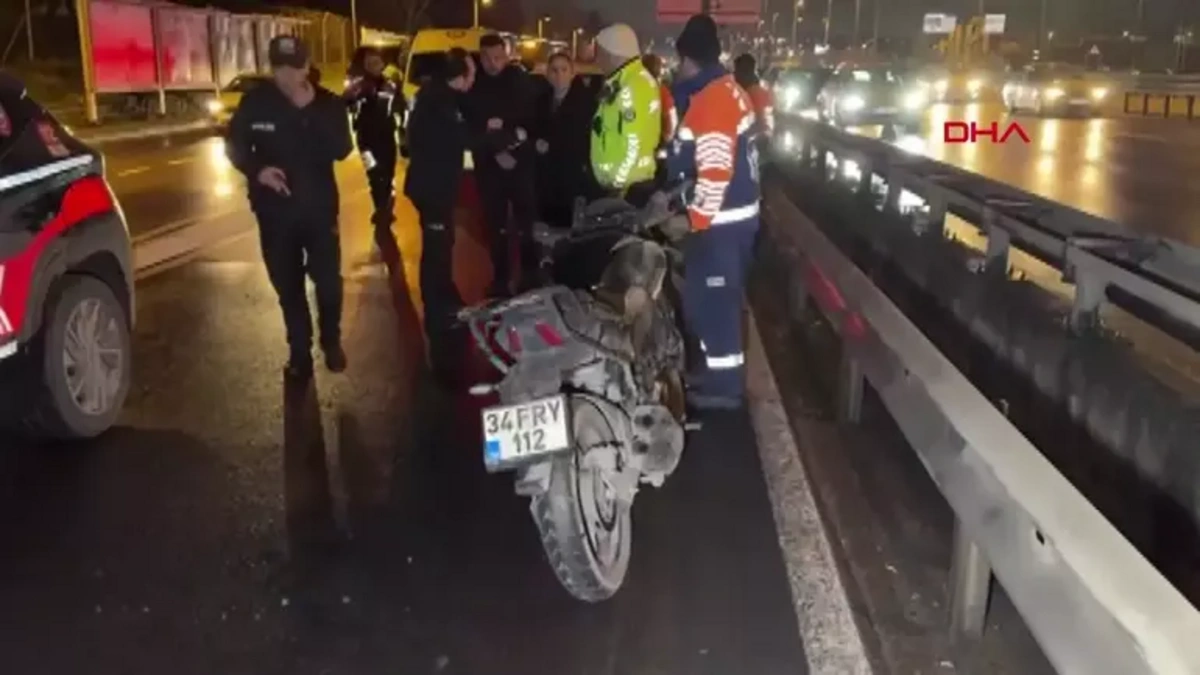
(714, 146)
(627, 127)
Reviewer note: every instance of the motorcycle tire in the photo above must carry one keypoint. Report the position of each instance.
(570, 520)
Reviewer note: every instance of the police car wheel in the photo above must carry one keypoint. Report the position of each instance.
(83, 359)
(586, 532)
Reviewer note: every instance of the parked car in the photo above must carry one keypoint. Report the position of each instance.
(221, 108)
(66, 279)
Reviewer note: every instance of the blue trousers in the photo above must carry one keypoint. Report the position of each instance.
(717, 261)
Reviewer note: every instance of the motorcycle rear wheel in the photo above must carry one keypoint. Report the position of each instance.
(586, 532)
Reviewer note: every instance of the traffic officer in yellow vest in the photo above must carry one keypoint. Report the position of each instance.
(627, 127)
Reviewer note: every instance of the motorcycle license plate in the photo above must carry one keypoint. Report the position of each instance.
(515, 434)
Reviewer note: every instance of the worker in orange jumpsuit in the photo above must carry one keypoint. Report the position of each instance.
(745, 71)
(714, 147)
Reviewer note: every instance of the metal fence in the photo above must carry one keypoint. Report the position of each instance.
(1095, 604)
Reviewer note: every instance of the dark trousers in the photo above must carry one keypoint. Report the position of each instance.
(438, 291)
(715, 279)
(382, 178)
(500, 191)
(291, 249)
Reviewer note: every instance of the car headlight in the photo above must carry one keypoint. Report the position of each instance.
(791, 95)
(214, 107)
(974, 86)
(852, 103)
(1053, 93)
(914, 100)
(941, 86)
(1099, 93)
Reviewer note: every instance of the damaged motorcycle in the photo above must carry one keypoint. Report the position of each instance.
(591, 400)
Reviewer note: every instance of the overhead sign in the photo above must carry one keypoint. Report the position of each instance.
(993, 24)
(940, 24)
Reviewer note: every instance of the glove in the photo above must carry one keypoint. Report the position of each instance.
(677, 227)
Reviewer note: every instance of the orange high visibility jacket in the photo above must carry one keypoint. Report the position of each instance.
(764, 108)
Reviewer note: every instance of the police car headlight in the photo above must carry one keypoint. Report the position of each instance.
(853, 103)
(214, 107)
(914, 100)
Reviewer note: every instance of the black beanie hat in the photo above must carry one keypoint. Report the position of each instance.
(699, 40)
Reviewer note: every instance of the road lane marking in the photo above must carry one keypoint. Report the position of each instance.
(182, 160)
(175, 248)
(133, 172)
(832, 642)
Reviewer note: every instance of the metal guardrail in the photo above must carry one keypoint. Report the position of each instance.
(1095, 254)
(1095, 605)
(1093, 602)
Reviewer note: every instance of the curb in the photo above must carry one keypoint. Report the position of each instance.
(99, 135)
(833, 643)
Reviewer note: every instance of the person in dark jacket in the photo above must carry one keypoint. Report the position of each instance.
(437, 141)
(286, 139)
(499, 110)
(376, 106)
(561, 136)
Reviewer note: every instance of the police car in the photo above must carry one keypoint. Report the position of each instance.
(66, 279)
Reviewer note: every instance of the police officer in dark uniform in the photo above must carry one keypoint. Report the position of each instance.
(286, 138)
(437, 140)
(376, 106)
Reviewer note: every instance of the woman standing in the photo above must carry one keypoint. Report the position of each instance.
(562, 134)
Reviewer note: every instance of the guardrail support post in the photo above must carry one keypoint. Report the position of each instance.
(895, 188)
(1089, 296)
(850, 389)
(971, 580)
(935, 219)
(864, 179)
(998, 241)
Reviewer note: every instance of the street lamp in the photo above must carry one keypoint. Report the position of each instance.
(828, 21)
(796, 7)
(542, 25)
(478, 5)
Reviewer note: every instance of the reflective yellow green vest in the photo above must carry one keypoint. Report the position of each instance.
(627, 127)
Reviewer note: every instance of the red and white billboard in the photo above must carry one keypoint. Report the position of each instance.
(123, 47)
(233, 39)
(677, 11)
(725, 12)
(185, 45)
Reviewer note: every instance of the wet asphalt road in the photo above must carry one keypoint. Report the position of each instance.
(1137, 171)
(230, 525)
